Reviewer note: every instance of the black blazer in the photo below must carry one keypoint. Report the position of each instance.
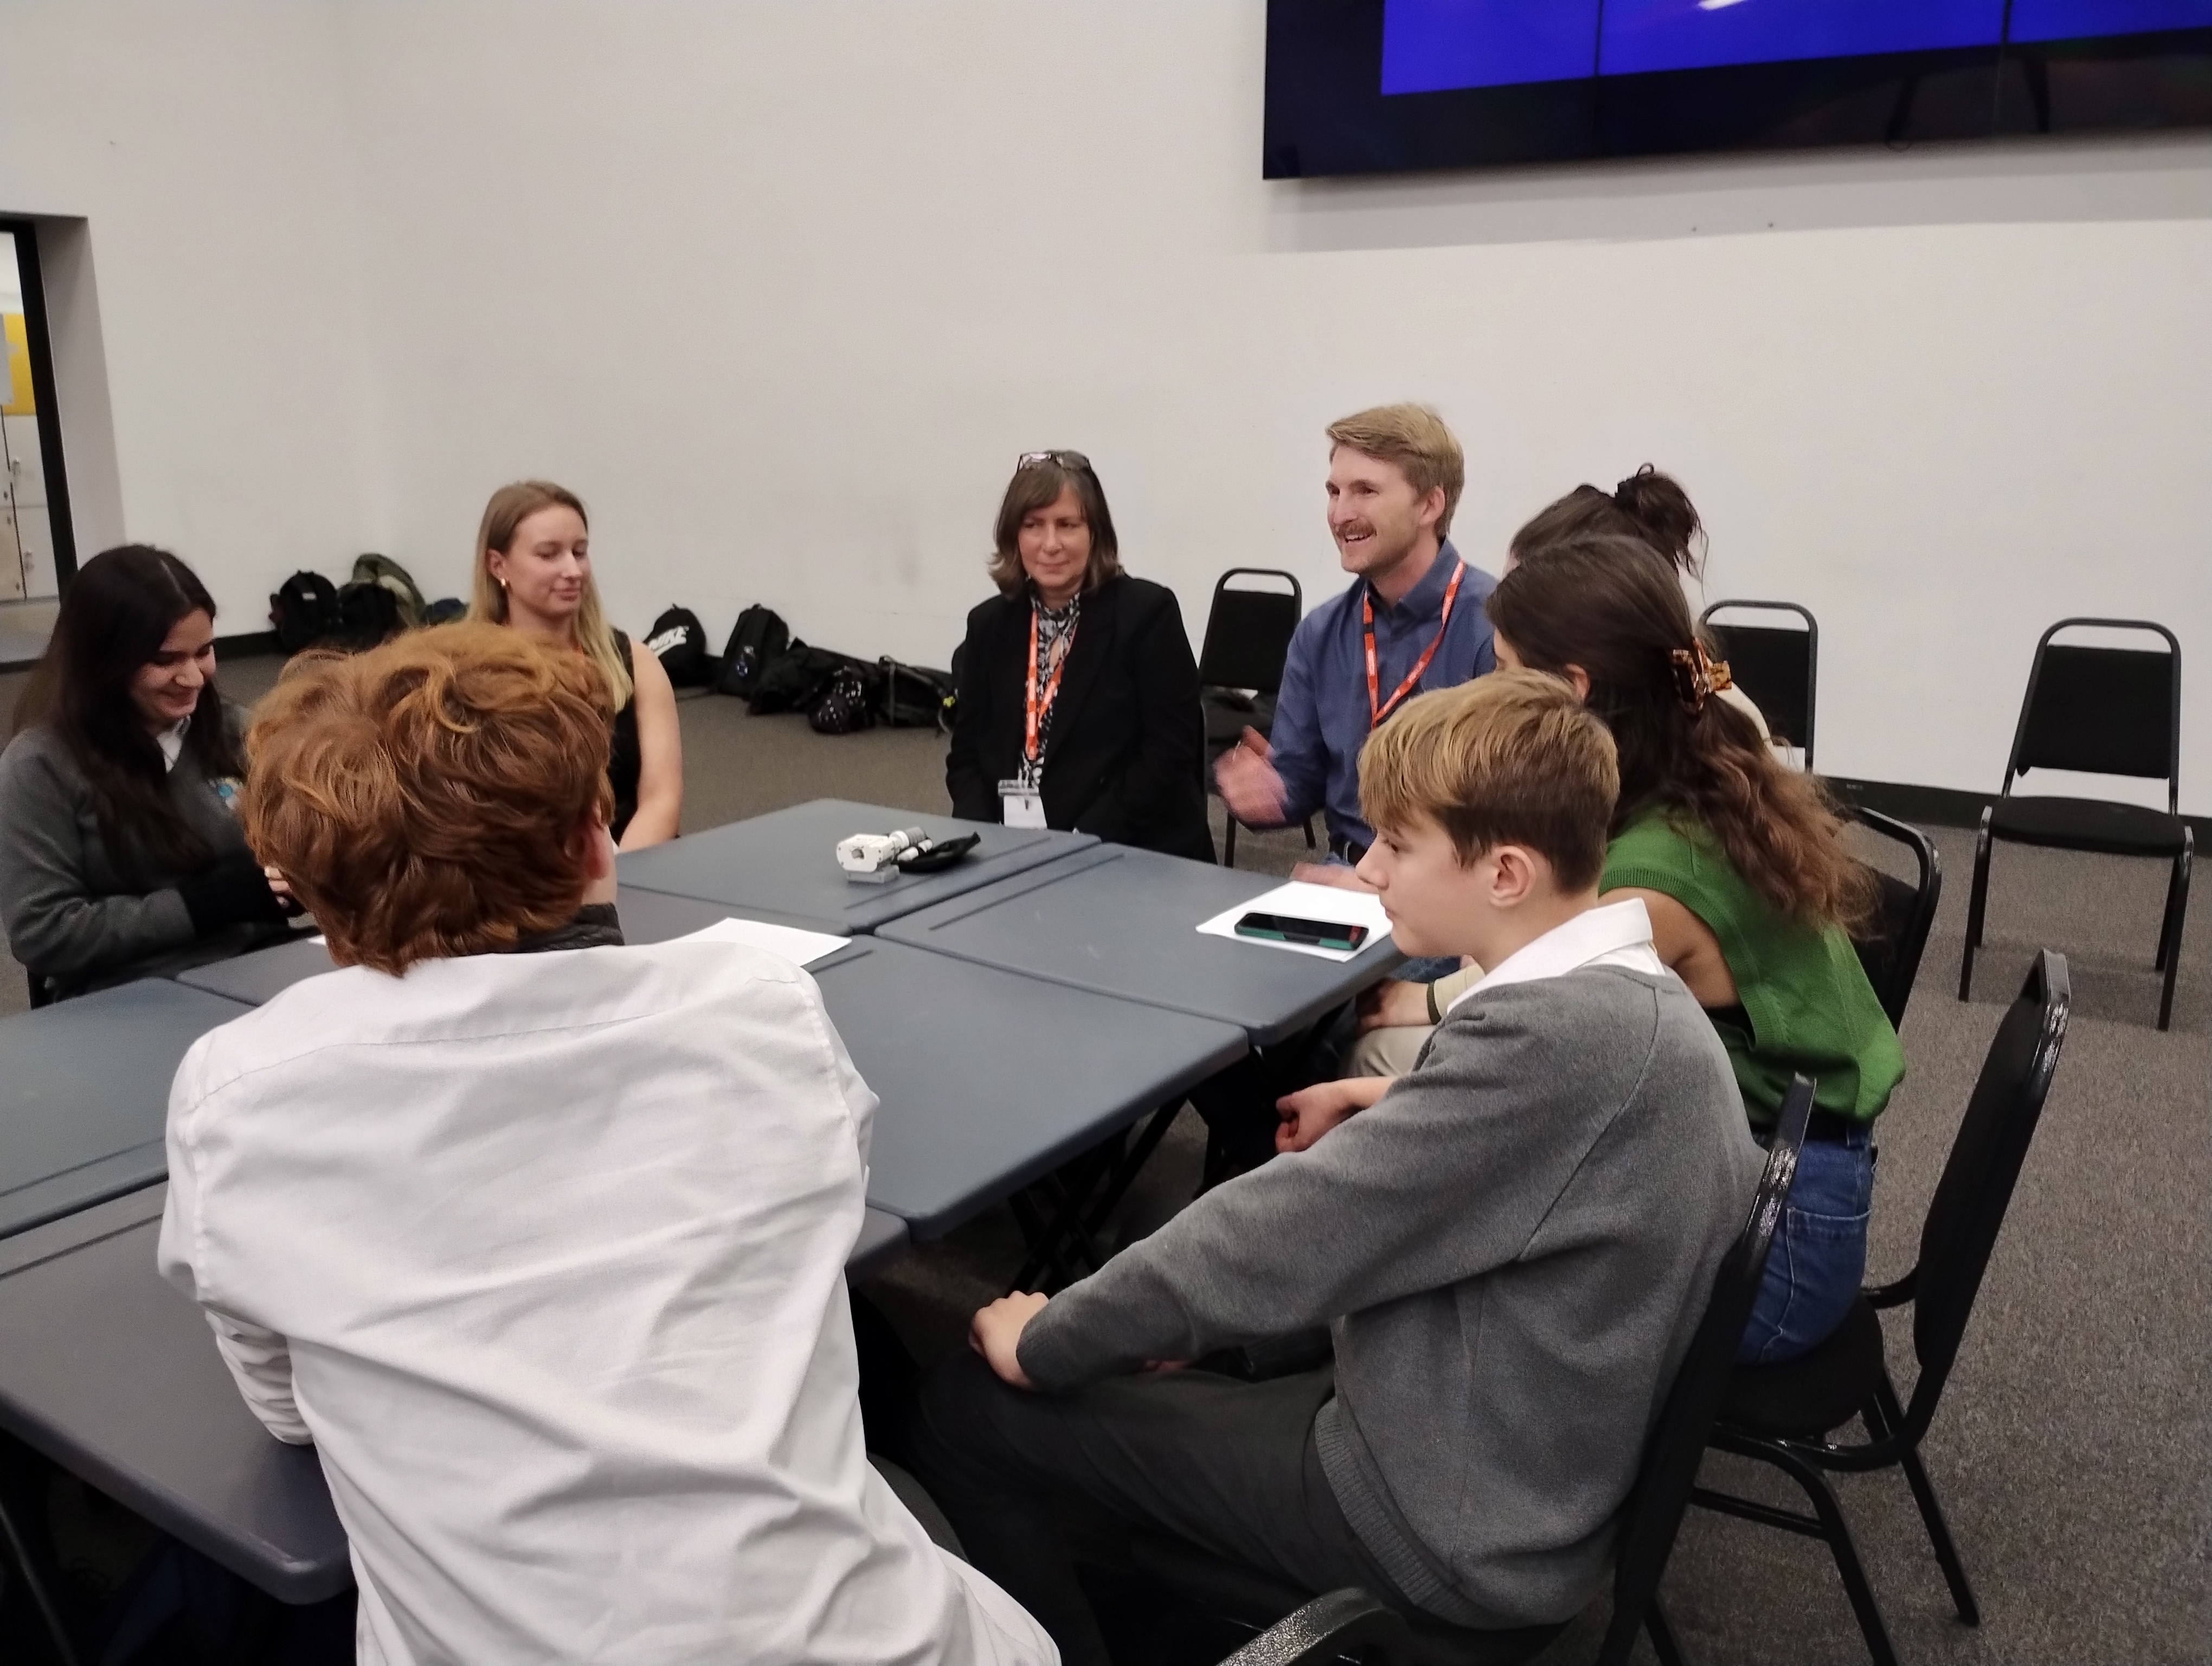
(1126, 758)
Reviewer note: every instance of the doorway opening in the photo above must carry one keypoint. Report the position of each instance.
(37, 554)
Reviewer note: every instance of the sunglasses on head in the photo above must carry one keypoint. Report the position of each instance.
(1066, 459)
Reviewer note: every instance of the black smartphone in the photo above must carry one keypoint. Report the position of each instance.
(1283, 929)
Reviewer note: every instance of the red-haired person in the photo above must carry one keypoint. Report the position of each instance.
(538, 1238)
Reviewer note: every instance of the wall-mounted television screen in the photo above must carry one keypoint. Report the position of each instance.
(1390, 86)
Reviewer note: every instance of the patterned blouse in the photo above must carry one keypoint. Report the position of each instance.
(1055, 637)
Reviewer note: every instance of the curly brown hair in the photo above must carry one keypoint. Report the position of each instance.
(1648, 505)
(1611, 608)
(424, 799)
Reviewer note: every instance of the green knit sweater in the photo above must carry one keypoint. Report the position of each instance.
(1801, 988)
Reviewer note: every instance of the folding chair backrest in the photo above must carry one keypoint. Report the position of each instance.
(1976, 1188)
(2108, 711)
(1247, 632)
(1678, 1443)
(1778, 666)
(1891, 943)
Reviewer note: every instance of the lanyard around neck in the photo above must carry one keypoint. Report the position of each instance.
(1039, 708)
(1378, 708)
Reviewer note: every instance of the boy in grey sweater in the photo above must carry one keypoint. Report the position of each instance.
(1511, 1246)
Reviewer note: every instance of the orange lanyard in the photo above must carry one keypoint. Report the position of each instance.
(1040, 707)
(1378, 708)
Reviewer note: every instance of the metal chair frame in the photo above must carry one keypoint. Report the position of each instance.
(1895, 990)
(1811, 657)
(1971, 1199)
(2167, 960)
(1210, 653)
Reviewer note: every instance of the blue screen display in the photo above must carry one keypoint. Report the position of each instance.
(1432, 45)
(1429, 45)
(1642, 35)
(2064, 20)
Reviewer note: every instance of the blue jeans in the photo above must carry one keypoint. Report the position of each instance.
(1819, 1258)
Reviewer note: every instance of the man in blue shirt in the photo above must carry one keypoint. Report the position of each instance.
(1414, 622)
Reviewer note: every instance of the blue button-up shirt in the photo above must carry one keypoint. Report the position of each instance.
(1321, 713)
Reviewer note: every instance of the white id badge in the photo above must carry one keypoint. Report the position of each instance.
(1020, 805)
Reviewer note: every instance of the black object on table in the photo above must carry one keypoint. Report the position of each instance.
(784, 864)
(84, 1095)
(1123, 922)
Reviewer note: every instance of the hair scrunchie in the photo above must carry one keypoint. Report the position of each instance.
(1698, 676)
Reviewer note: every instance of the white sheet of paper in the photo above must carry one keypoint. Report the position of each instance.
(803, 948)
(1308, 902)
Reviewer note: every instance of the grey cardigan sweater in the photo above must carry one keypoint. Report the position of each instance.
(1513, 1247)
(74, 912)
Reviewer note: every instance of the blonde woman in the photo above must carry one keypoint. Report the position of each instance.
(533, 572)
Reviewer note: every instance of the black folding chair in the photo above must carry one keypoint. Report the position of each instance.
(1778, 666)
(1649, 1522)
(1240, 668)
(2106, 711)
(1892, 941)
(1786, 1415)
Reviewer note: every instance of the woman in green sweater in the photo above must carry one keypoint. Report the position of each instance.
(1739, 862)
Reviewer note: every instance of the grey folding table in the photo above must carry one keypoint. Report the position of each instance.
(988, 1080)
(84, 1095)
(647, 917)
(114, 1376)
(1124, 922)
(784, 864)
(952, 1049)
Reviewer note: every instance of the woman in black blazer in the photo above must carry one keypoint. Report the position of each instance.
(1096, 660)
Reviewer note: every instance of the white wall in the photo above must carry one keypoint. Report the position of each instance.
(206, 150)
(783, 287)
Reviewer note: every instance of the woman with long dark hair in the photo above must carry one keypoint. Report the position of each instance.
(119, 853)
(1739, 862)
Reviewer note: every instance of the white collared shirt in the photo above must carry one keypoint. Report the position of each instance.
(1610, 934)
(545, 1252)
(171, 740)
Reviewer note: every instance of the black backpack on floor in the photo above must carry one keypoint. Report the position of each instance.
(680, 641)
(304, 609)
(913, 697)
(848, 704)
(759, 638)
(368, 614)
(793, 680)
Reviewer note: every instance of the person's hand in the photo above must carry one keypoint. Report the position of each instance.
(995, 1333)
(1393, 1003)
(1248, 783)
(1313, 1111)
(1331, 873)
(281, 889)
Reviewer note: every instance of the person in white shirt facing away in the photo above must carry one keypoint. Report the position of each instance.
(543, 1251)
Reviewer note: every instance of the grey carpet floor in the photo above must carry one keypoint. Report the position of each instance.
(2071, 1444)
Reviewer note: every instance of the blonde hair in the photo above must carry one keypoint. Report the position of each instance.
(422, 799)
(509, 507)
(1510, 758)
(1415, 439)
